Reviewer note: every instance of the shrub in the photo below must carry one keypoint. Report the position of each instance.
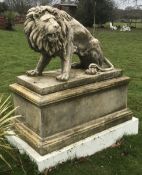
(10, 18)
(6, 122)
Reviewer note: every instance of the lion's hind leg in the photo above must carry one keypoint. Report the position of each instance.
(76, 65)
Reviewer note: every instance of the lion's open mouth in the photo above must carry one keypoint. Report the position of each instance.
(52, 37)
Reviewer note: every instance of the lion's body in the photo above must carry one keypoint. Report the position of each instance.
(86, 45)
(53, 32)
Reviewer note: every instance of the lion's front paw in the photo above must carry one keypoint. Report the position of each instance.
(33, 73)
(63, 77)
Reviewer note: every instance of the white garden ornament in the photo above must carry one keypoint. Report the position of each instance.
(125, 28)
(112, 27)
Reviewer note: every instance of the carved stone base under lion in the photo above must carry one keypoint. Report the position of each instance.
(57, 114)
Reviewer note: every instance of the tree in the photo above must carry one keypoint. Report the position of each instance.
(21, 6)
(10, 18)
(132, 13)
(3, 7)
(129, 1)
(102, 11)
(85, 12)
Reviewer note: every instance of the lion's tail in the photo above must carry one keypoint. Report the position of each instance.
(108, 63)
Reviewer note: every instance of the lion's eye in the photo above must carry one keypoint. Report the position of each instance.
(50, 35)
(36, 15)
(46, 20)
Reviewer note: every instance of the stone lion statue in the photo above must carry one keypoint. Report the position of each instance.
(53, 32)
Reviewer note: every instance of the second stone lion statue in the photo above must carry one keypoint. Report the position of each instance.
(53, 32)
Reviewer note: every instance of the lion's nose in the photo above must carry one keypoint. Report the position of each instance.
(56, 26)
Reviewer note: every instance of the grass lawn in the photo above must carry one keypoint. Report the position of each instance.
(124, 49)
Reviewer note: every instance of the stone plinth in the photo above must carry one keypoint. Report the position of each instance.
(82, 148)
(57, 114)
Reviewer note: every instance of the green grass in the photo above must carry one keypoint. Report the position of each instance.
(124, 49)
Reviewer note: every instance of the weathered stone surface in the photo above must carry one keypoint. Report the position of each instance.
(45, 145)
(53, 32)
(47, 83)
(70, 112)
(83, 148)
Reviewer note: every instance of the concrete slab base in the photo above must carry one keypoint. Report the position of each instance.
(83, 148)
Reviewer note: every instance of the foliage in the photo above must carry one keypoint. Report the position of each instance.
(10, 17)
(3, 7)
(104, 11)
(21, 6)
(129, 15)
(6, 122)
(85, 12)
(101, 10)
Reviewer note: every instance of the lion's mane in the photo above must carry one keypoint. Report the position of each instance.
(36, 33)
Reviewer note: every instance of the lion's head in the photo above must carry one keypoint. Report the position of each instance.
(47, 29)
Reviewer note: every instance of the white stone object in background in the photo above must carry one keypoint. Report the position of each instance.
(112, 27)
(125, 28)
